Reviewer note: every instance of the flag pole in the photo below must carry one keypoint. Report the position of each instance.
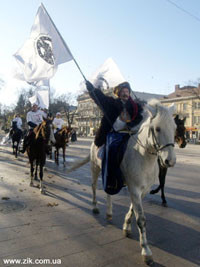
(67, 48)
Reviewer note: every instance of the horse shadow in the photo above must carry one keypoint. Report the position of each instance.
(189, 208)
(172, 237)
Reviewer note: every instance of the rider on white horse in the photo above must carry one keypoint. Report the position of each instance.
(120, 115)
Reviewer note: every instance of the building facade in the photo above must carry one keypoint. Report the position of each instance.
(187, 104)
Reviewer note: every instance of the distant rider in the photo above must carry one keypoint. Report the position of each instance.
(57, 122)
(16, 121)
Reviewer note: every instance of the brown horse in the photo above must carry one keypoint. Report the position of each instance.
(181, 141)
(36, 149)
(62, 138)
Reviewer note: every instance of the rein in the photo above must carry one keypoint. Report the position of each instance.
(156, 144)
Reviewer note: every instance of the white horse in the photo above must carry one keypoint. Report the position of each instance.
(154, 138)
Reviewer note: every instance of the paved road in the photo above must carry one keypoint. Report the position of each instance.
(60, 226)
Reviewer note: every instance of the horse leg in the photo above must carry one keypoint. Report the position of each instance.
(36, 169)
(95, 170)
(55, 156)
(64, 156)
(157, 189)
(42, 191)
(31, 174)
(13, 147)
(109, 207)
(58, 156)
(141, 224)
(16, 151)
(127, 222)
(162, 185)
(50, 152)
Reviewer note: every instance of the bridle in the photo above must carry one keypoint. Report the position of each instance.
(156, 144)
(158, 148)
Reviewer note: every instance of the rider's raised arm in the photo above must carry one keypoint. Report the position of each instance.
(99, 97)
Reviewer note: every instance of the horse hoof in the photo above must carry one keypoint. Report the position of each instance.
(148, 260)
(42, 191)
(95, 210)
(152, 192)
(126, 233)
(31, 183)
(109, 217)
(165, 205)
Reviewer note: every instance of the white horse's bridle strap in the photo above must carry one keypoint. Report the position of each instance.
(156, 145)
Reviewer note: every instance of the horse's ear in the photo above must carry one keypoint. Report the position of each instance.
(176, 118)
(151, 110)
(172, 108)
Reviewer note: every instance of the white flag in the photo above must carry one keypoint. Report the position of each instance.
(20, 76)
(43, 51)
(41, 98)
(107, 76)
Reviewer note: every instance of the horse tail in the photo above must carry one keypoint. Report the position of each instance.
(79, 163)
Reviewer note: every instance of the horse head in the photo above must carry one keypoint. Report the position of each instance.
(45, 131)
(64, 134)
(14, 126)
(180, 132)
(161, 132)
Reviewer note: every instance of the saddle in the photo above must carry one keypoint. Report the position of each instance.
(113, 153)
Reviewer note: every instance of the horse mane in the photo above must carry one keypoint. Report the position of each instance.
(162, 110)
(60, 132)
(160, 113)
(14, 124)
(39, 129)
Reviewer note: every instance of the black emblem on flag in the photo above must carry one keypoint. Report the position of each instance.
(44, 48)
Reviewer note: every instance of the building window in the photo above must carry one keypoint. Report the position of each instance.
(184, 106)
(196, 119)
(197, 105)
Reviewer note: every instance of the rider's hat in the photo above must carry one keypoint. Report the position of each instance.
(117, 89)
(58, 113)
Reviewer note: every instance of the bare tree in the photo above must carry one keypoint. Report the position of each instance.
(64, 105)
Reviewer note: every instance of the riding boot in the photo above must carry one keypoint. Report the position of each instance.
(24, 146)
(26, 143)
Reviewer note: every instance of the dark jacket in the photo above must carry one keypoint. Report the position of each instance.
(112, 108)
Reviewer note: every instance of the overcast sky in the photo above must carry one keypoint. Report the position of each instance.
(155, 43)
